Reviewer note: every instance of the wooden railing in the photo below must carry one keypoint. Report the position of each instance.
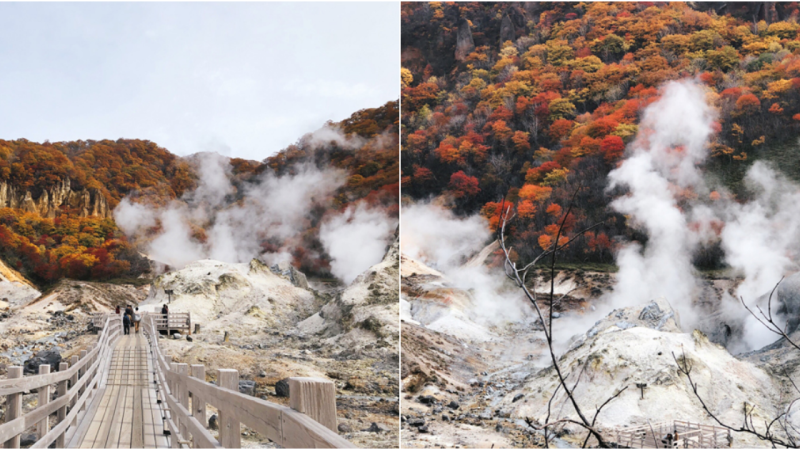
(675, 434)
(173, 321)
(310, 422)
(75, 383)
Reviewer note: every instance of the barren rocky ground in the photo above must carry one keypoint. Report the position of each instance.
(476, 389)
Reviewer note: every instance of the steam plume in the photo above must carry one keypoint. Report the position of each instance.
(237, 221)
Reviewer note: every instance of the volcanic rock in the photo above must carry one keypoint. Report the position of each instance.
(44, 357)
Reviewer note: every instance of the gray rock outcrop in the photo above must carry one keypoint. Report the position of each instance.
(507, 30)
(90, 202)
(464, 43)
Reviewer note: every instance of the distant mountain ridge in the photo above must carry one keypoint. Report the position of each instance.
(56, 198)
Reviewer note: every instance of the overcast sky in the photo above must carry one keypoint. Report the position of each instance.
(243, 79)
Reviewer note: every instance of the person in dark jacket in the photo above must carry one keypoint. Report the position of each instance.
(126, 324)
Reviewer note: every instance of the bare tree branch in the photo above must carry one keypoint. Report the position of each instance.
(518, 276)
(748, 426)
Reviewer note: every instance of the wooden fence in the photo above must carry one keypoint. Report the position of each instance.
(675, 434)
(183, 395)
(75, 384)
(174, 321)
(310, 422)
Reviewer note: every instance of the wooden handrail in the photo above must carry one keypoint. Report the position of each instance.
(17, 385)
(283, 425)
(87, 378)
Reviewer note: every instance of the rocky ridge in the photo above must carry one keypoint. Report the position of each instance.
(90, 202)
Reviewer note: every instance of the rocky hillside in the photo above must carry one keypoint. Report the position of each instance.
(15, 289)
(520, 103)
(52, 201)
(365, 310)
(268, 324)
(214, 291)
(57, 199)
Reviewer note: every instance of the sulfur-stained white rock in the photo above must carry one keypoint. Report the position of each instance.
(636, 345)
(212, 290)
(366, 310)
(15, 290)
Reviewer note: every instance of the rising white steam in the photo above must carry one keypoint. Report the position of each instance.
(236, 222)
(355, 240)
(663, 158)
(435, 236)
(333, 134)
(441, 240)
(759, 237)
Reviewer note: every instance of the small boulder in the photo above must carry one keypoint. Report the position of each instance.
(282, 388)
(189, 338)
(376, 428)
(517, 398)
(44, 357)
(453, 405)
(212, 422)
(344, 428)
(426, 399)
(247, 387)
(416, 422)
(26, 440)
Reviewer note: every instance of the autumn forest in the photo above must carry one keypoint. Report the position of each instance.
(519, 104)
(75, 242)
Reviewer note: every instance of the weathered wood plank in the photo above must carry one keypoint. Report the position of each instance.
(316, 398)
(198, 403)
(137, 429)
(106, 418)
(62, 411)
(230, 430)
(43, 398)
(13, 408)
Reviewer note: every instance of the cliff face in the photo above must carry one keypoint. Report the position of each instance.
(464, 43)
(88, 202)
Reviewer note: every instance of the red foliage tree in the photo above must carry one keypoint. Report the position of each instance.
(463, 185)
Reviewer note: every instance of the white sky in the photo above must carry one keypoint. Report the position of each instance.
(243, 79)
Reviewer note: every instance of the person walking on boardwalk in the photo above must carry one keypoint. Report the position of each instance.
(165, 314)
(126, 324)
(136, 319)
(117, 310)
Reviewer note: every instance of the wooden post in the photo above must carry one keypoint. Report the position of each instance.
(83, 373)
(73, 382)
(198, 402)
(62, 412)
(43, 427)
(173, 389)
(316, 398)
(13, 405)
(229, 430)
(183, 395)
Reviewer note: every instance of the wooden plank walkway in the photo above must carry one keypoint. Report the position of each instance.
(126, 415)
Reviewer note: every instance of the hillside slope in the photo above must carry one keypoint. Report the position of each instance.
(524, 102)
(57, 199)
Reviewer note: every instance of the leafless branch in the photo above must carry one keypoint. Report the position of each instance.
(748, 425)
(518, 276)
(767, 320)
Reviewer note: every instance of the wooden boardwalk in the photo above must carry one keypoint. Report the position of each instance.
(125, 413)
(123, 392)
